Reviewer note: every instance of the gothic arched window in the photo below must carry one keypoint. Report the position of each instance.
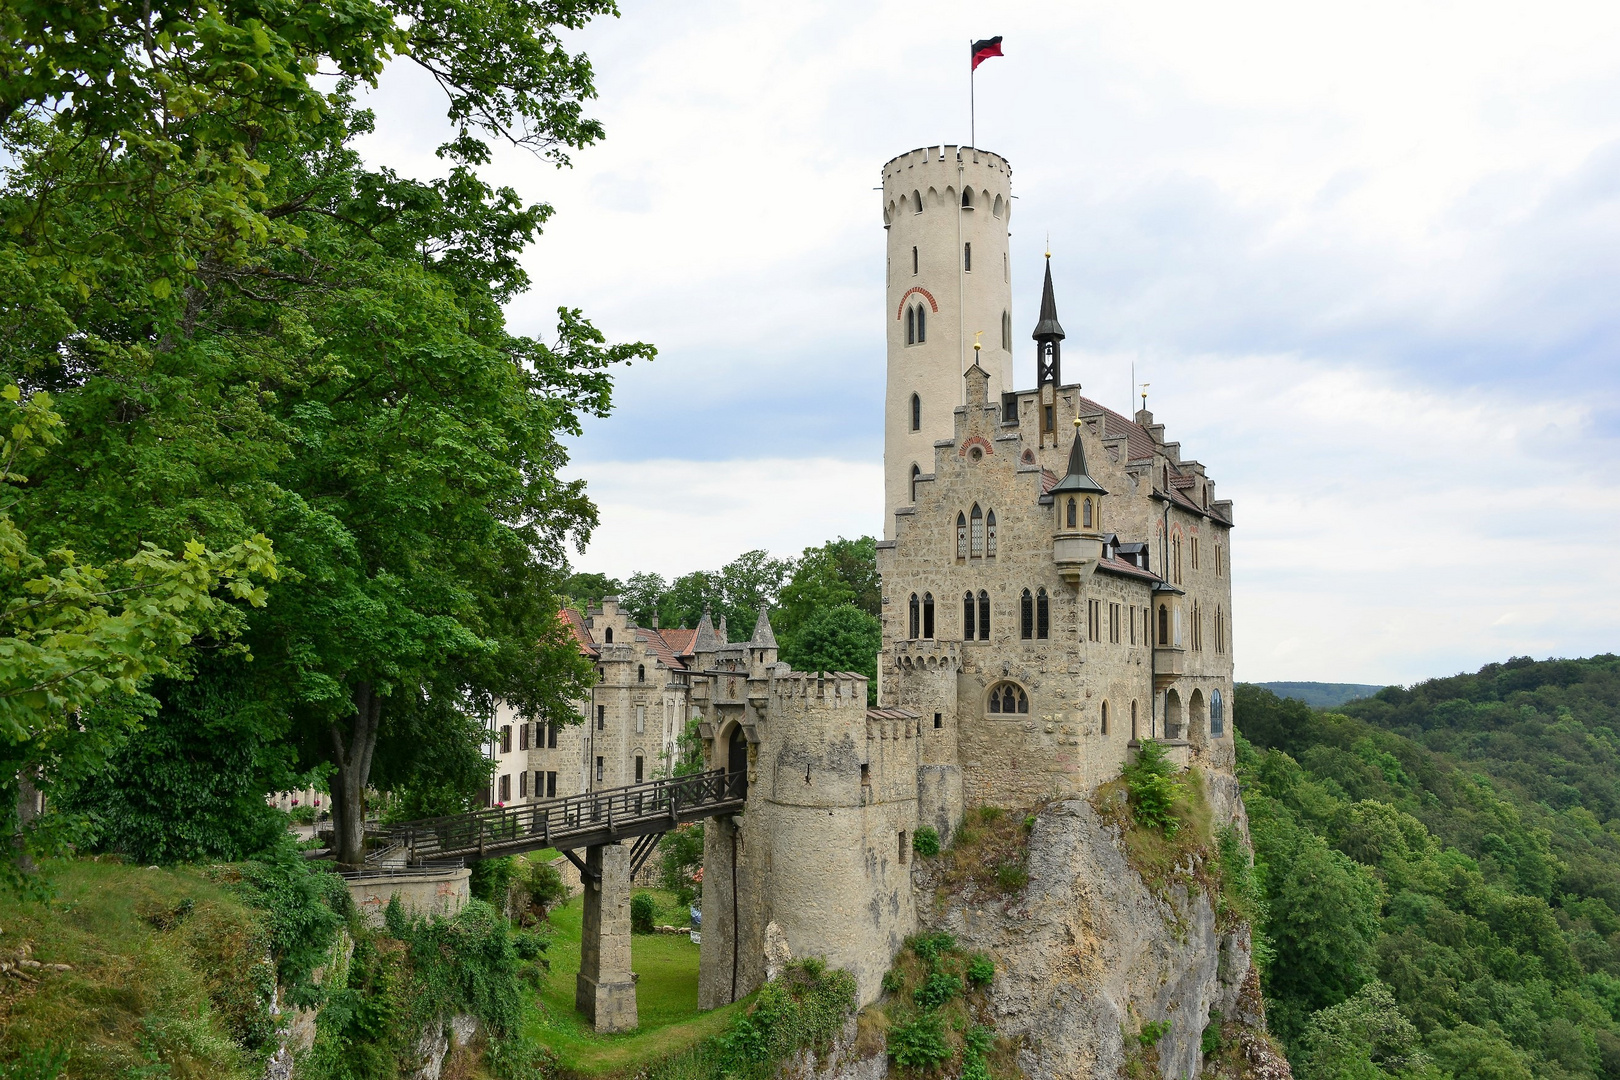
(961, 535)
(911, 326)
(990, 535)
(641, 673)
(1217, 714)
(928, 615)
(1071, 513)
(1007, 698)
(1164, 625)
(1087, 512)
(976, 516)
(984, 615)
(915, 472)
(967, 616)
(1026, 615)
(916, 413)
(916, 201)
(610, 635)
(922, 324)
(916, 617)
(967, 196)
(1043, 615)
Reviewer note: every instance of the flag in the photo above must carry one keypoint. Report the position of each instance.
(984, 50)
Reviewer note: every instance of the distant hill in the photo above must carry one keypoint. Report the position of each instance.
(1321, 695)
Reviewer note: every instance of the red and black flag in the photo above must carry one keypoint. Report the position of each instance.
(984, 50)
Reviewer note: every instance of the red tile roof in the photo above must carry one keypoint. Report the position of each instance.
(582, 633)
(659, 647)
(680, 640)
(1128, 569)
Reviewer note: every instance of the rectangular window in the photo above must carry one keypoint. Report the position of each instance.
(506, 738)
(641, 719)
(551, 736)
(551, 785)
(523, 736)
(506, 788)
(1009, 407)
(1132, 620)
(523, 784)
(1094, 620)
(1220, 567)
(866, 775)
(598, 770)
(939, 721)
(601, 718)
(638, 768)
(1113, 623)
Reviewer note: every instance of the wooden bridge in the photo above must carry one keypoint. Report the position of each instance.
(641, 811)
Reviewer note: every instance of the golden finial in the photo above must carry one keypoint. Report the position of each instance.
(1049, 244)
(1144, 395)
(1077, 421)
(977, 334)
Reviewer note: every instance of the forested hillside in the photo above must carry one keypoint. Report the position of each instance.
(1442, 869)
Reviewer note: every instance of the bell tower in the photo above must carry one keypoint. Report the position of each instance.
(949, 285)
(1048, 358)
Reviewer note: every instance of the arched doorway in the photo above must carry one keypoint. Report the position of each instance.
(1173, 725)
(737, 758)
(1197, 721)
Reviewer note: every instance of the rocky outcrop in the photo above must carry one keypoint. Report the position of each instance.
(1088, 955)
(439, 1041)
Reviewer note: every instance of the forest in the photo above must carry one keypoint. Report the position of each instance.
(1441, 867)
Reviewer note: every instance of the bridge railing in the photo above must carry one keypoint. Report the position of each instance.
(538, 824)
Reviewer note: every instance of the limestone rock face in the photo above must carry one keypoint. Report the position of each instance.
(1088, 954)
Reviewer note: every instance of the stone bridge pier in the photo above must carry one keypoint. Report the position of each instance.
(605, 990)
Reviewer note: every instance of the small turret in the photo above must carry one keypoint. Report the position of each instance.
(705, 642)
(1077, 509)
(761, 647)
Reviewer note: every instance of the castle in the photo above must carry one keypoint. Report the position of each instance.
(1055, 588)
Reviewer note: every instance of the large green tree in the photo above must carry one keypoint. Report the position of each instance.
(247, 330)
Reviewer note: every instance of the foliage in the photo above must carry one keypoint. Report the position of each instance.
(643, 908)
(980, 970)
(919, 1043)
(989, 852)
(306, 906)
(936, 990)
(680, 856)
(247, 331)
(1152, 1031)
(491, 879)
(189, 784)
(514, 1059)
(541, 888)
(842, 638)
(930, 947)
(1209, 1043)
(78, 642)
(1151, 782)
(925, 841)
(806, 1006)
(1443, 857)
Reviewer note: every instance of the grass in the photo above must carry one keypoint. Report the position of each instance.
(666, 999)
(1187, 856)
(989, 853)
(157, 986)
(906, 998)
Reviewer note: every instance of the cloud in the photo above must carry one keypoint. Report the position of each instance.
(1364, 255)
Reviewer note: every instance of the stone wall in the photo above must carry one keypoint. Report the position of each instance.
(421, 892)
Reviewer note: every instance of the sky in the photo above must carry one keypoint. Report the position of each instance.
(1365, 256)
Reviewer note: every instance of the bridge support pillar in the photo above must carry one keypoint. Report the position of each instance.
(605, 990)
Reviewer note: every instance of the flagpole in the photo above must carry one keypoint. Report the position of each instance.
(973, 131)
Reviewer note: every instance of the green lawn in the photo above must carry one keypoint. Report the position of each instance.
(666, 998)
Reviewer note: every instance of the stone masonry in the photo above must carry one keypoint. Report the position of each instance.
(605, 989)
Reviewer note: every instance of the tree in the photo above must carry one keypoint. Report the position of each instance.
(250, 332)
(842, 638)
(1364, 1036)
(585, 591)
(838, 572)
(78, 642)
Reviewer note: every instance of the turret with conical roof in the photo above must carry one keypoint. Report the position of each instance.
(764, 637)
(706, 641)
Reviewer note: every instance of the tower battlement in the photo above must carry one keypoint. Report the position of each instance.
(800, 690)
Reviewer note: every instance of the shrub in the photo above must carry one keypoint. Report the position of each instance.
(544, 886)
(1153, 788)
(931, 946)
(893, 981)
(642, 909)
(925, 842)
(936, 990)
(514, 1059)
(491, 878)
(989, 815)
(303, 814)
(1152, 1032)
(980, 970)
(920, 1043)
(1011, 877)
(1211, 1041)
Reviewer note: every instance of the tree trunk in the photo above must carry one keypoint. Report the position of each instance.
(353, 772)
(27, 811)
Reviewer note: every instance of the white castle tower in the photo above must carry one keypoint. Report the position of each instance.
(949, 284)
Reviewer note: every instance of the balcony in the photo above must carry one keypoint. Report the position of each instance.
(1169, 664)
(1074, 553)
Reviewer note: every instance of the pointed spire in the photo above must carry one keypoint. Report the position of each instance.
(705, 640)
(764, 637)
(1078, 480)
(1048, 326)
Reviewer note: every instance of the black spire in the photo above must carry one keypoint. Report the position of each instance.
(1048, 328)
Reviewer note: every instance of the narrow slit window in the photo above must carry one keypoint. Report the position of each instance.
(916, 412)
(990, 535)
(911, 326)
(916, 617)
(1026, 615)
(913, 262)
(928, 615)
(922, 324)
(961, 535)
(967, 257)
(968, 621)
(1043, 615)
(915, 472)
